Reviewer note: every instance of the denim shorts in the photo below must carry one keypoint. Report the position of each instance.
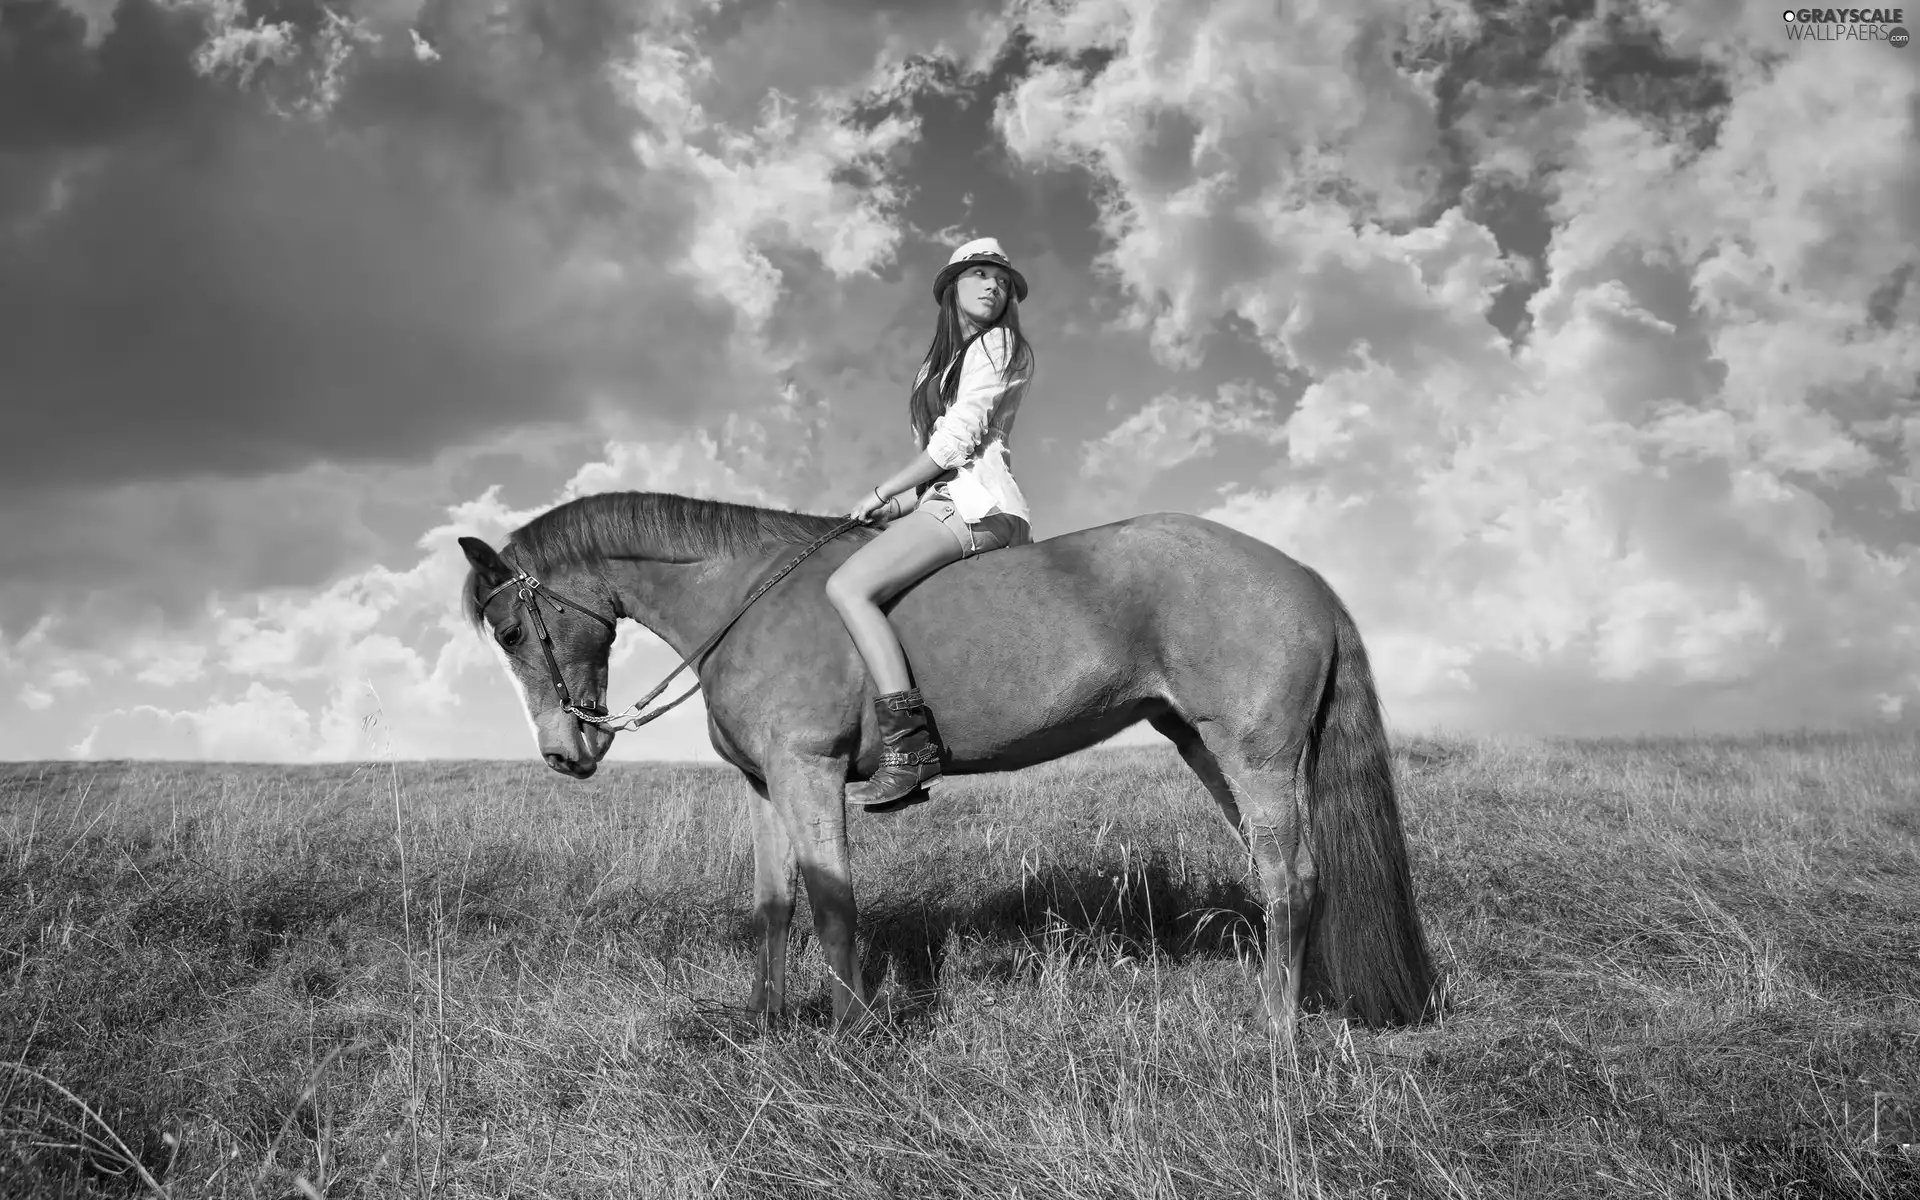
(995, 531)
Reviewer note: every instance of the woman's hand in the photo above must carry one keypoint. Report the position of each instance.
(870, 505)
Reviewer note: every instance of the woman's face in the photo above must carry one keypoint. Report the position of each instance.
(982, 293)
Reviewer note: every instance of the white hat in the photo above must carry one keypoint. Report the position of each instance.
(979, 250)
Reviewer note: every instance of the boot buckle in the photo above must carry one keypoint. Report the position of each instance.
(925, 756)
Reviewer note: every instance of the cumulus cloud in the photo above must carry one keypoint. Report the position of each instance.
(1659, 497)
(1214, 121)
(1173, 429)
(776, 182)
(263, 725)
(381, 660)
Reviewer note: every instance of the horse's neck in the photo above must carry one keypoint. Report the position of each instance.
(682, 603)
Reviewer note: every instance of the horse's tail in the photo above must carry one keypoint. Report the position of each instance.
(1366, 951)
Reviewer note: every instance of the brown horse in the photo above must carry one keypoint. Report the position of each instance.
(1241, 656)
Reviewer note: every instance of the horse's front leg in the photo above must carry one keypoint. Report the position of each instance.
(809, 791)
(773, 879)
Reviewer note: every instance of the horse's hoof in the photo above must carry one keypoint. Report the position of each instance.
(863, 1020)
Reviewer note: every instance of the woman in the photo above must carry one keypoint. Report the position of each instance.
(962, 407)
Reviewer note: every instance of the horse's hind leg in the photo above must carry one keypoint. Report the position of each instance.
(1265, 800)
(1186, 739)
(1275, 799)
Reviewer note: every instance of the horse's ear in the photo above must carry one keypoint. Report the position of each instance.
(493, 570)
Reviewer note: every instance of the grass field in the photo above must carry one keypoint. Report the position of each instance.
(1685, 968)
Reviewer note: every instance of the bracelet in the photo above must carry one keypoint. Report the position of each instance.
(879, 497)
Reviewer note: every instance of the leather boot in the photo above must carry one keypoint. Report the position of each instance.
(909, 755)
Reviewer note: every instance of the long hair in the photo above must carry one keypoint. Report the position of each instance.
(934, 388)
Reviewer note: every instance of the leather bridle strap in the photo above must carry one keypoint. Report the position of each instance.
(531, 592)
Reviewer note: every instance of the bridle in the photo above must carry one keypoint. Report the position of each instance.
(531, 594)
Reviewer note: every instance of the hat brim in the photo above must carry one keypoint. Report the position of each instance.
(952, 271)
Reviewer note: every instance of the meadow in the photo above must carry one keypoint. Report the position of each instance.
(1682, 968)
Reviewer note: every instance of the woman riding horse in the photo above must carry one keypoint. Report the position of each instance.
(956, 499)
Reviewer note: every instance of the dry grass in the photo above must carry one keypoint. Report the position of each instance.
(1683, 969)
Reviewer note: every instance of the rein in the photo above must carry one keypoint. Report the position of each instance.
(531, 592)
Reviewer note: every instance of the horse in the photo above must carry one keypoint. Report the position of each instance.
(1242, 657)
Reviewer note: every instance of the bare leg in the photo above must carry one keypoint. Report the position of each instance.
(808, 792)
(906, 551)
(773, 879)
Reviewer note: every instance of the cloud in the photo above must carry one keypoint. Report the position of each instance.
(97, 16)
(264, 725)
(104, 557)
(1172, 429)
(223, 280)
(776, 182)
(1671, 496)
(251, 246)
(1213, 122)
(380, 661)
(571, 207)
(789, 124)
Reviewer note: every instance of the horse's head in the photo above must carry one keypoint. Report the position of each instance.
(554, 633)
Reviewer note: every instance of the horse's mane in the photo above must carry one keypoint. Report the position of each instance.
(656, 525)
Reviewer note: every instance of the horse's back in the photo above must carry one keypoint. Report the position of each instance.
(1095, 629)
(1155, 574)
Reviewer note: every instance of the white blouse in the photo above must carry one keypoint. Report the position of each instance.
(970, 438)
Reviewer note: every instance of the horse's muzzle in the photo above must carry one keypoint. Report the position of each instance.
(577, 768)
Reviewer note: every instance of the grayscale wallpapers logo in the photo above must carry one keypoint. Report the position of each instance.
(1847, 25)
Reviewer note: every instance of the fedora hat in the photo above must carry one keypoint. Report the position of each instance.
(974, 253)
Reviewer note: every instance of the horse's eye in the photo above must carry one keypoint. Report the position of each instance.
(510, 636)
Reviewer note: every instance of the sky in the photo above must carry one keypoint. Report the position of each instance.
(1574, 343)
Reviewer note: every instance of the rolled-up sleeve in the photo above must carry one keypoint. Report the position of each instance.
(956, 435)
